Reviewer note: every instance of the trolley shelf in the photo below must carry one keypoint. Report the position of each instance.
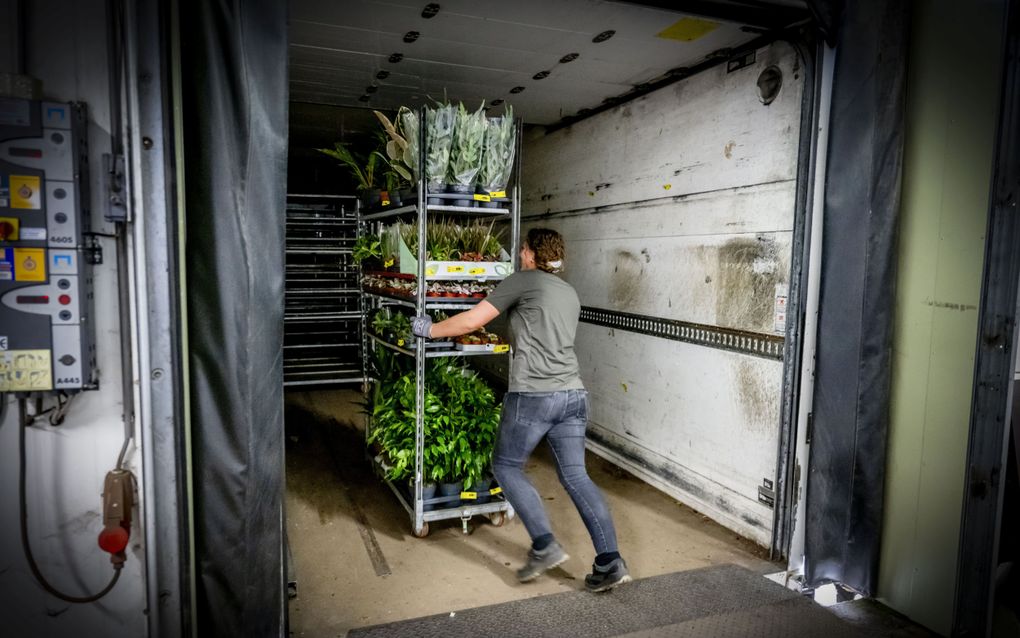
(434, 353)
(435, 208)
(458, 303)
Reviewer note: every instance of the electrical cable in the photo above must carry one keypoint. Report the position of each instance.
(26, 546)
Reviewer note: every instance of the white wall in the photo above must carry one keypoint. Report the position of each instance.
(680, 205)
(66, 49)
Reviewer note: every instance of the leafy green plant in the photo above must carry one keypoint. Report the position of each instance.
(498, 156)
(439, 123)
(409, 128)
(398, 155)
(468, 141)
(362, 169)
(367, 246)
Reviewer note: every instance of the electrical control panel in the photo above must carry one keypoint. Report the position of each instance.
(46, 253)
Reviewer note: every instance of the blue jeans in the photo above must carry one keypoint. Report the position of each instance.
(561, 417)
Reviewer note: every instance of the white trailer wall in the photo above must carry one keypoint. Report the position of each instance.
(680, 205)
(65, 45)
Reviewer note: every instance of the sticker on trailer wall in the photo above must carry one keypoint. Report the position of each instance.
(25, 192)
(25, 370)
(780, 308)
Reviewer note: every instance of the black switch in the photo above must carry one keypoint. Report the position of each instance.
(67, 359)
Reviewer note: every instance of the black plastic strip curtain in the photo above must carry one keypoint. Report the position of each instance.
(234, 77)
(862, 199)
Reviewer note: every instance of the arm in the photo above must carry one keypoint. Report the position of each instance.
(465, 322)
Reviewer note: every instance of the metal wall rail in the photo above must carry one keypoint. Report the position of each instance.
(752, 343)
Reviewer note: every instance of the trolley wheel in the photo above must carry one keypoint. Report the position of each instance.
(498, 519)
(423, 532)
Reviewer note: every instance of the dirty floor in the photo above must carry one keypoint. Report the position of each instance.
(356, 562)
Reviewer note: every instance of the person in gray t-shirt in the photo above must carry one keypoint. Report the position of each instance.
(546, 399)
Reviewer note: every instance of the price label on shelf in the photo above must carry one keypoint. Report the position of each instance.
(455, 269)
(400, 342)
(503, 347)
(482, 198)
(497, 193)
(431, 270)
(477, 271)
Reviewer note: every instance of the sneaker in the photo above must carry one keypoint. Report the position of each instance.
(541, 560)
(606, 577)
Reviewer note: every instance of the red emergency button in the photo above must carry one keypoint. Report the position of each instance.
(64, 299)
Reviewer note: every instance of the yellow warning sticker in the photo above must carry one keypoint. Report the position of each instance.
(431, 270)
(482, 198)
(25, 370)
(688, 29)
(503, 347)
(29, 264)
(496, 490)
(9, 228)
(25, 192)
(469, 496)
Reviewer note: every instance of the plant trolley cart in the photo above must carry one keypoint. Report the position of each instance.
(419, 276)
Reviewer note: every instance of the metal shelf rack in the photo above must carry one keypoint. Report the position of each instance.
(498, 510)
(322, 309)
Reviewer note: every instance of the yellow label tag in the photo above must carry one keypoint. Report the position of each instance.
(431, 270)
(25, 191)
(9, 228)
(29, 264)
(496, 490)
(388, 263)
(469, 495)
(502, 347)
(400, 342)
(24, 370)
(497, 193)
(482, 198)
(454, 269)
(477, 271)
(688, 29)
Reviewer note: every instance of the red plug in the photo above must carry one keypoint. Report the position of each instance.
(118, 500)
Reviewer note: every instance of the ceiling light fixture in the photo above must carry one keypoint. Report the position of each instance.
(364, 98)
(496, 102)
(411, 36)
(602, 37)
(371, 89)
(382, 75)
(517, 89)
(430, 10)
(570, 57)
(396, 57)
(541, 75)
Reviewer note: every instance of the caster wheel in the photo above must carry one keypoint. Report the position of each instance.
(498, 519)
(423, 532)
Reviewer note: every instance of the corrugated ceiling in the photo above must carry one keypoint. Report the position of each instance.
(344, 53)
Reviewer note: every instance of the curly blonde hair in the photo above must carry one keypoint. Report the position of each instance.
(548, 247)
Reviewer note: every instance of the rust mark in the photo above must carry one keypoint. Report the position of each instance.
(935, 303)
(728, 149)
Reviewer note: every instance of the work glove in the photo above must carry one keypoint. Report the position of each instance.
(422, 326)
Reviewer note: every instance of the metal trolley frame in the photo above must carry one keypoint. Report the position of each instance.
(498, 510)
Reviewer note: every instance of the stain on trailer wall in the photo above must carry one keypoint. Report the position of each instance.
(680, 206)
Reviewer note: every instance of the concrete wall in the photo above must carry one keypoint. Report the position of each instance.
(952, 108)
(66, 49)
(680, 205)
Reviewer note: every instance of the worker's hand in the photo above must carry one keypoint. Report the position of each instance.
(422, 327)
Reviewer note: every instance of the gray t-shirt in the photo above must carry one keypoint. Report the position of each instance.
(543, 312)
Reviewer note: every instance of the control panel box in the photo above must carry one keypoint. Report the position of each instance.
(46, 336)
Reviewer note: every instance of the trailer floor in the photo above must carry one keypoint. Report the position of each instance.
(356, 564)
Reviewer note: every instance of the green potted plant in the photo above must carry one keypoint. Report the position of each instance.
(498, 156)
(401, 154)
(362, 169)
(466, 153)
(439, 126)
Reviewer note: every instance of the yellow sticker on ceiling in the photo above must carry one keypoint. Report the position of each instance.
(688, 30)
